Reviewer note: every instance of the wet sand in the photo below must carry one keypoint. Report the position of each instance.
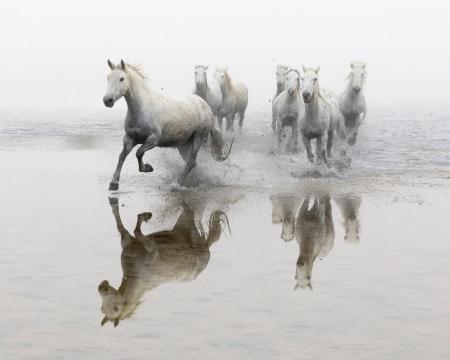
(384, 296)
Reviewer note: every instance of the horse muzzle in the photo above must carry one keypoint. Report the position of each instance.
(108, 101)
(356, 90)
(306, 97)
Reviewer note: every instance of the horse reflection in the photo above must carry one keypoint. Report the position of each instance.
(349, 207)
(314, 231)
(148, 261)
(284, 211)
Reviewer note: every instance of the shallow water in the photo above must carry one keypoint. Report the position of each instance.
(381, 292)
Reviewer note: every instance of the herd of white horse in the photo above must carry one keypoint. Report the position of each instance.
(155, 119)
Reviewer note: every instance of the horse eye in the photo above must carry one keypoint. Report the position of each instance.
(116, 308)
(121, 79)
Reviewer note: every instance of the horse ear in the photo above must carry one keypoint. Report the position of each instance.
(111, 65)
(352, 64)
(104, 321)
(206, 67)
(116, 322)
(123, 66)
(364, 66)
(303, 68)
(317, 69)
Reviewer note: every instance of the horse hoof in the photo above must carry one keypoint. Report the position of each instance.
(113, 186)
(147, 168)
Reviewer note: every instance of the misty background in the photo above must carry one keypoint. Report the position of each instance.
(54, 53)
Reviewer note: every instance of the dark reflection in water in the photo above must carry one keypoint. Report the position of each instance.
(309, 218)
(314, 232)
(349, 206)
(179, 254)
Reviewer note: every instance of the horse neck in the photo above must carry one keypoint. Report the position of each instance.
(226, 87)
(312, 109)
(203, 89)
(139, 95)
(280, 88)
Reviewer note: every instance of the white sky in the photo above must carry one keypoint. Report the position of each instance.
(53, 53)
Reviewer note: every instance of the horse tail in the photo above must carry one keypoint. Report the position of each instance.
(218, 145)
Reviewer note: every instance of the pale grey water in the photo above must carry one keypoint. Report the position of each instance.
(385, 297)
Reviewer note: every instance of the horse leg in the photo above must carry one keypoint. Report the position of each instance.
(320, 151)
(230, 122)
(279, 135)
(241, 119)
(295, 135)
(220, 121)
(149, 144)
(128, 145)
(307, 144)
(330, 142)
(192, 160)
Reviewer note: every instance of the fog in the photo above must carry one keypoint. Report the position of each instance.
(54, 53)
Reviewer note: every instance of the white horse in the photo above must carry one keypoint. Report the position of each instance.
(289, 108)
(148, 261)
(211, 94)
(157, 120)
(281, 73)
(314, 231)
(352, 102)
(234, 99)
(321, 119)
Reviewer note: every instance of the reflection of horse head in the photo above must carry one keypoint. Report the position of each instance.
(179, 254)
(314, 232)
(349, 207)
(284, 211)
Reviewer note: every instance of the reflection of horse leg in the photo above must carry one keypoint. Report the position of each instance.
(241, 119)
(149, 144)
(230, 122)
(125, 236)
(142, 217)
(192, 160)
(128, 145)
(307, 144)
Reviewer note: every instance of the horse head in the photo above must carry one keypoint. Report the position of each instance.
(357, 76)
(281, 73)
(200, 76)
(118, 83)
(293, 81)
(221, 76)
(310, 83)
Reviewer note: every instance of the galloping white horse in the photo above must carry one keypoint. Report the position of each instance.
(322, 118)
(352, 102)
(157, 120)
(234, 99)
(289, 107)
(211, 94)
(281, 73)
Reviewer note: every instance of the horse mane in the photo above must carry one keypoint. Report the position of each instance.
(138, 69)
